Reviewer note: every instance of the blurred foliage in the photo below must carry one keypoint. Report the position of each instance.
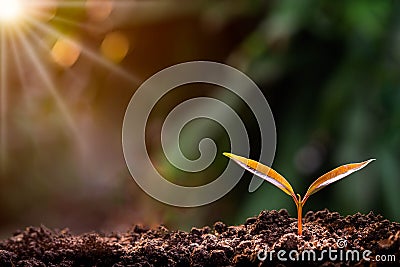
(329, 70)
(334, 89)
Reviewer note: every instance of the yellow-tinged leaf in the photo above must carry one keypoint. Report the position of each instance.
(263, 172)
(335, 175)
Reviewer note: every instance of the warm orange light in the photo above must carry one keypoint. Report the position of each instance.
(99, 10)
(10, 10)
(65, 53)
(115, 46)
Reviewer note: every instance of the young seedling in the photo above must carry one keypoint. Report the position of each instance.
(279, 181)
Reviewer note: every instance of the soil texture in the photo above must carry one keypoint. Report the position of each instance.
(270, 239)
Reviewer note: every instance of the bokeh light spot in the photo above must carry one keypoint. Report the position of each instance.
(115, 46)
(99, 10)
(65, 53)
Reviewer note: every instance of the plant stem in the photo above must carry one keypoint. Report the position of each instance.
(299, 216)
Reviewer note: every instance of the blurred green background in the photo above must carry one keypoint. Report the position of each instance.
(330, 71)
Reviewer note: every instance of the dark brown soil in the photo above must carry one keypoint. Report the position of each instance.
(221, 246)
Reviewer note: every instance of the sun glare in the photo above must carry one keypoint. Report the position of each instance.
(33, 32)
(10, 10)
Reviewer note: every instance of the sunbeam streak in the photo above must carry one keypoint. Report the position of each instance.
(80, 4)
(48, 83)
(67, 21)
(26, 27)
(3, 100)
(86, 51)
(16, 54)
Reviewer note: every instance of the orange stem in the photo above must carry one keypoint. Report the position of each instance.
(299, 216)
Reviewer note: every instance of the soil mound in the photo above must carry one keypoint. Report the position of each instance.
(268, 239)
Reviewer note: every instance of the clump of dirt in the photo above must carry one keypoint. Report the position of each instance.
(268, 239)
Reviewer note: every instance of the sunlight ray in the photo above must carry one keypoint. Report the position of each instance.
(80, 4)
(3, 100)
(88, 52)
(51, 3)
(20, 69)
(25, 39)
(49, 83)
(67, 21)
(46, 49)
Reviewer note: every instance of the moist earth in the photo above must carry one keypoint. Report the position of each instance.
(270, 239)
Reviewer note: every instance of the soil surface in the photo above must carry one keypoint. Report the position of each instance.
(327, 234)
